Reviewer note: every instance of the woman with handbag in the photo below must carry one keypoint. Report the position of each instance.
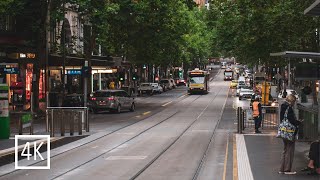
(287, 114)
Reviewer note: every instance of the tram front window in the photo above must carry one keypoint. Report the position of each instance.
(196, 80)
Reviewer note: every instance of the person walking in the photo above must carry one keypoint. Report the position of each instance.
(289, 146)
(257, 114)
(314, 159)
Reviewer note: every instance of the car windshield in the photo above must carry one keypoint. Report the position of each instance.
(196, 80)
(228, 73)
(164, 81)
(102, 94)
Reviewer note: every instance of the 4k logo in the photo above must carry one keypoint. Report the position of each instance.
(32, 144)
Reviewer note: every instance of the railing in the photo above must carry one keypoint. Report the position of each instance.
(270, 118)
(66, 119)
(309, 129)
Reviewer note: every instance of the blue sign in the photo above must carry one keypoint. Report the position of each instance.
(11, 70)
(74, 72)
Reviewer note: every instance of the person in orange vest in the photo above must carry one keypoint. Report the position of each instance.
(257, 114)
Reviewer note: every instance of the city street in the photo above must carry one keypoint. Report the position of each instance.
(180, 141)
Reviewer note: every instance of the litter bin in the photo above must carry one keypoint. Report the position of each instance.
(4, 112)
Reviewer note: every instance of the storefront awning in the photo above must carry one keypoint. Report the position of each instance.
(57, 60)
(296, 54)
(314, 9)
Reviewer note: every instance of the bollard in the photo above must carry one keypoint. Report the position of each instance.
(62, 126)
(52, 124)
(79, 124)
(87, 120)
(238, 119)
(47, 120)
(243, 118)
(72, 124)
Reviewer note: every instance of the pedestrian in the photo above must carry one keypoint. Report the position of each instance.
(112, 85)
(313, 166)
(257, 114)
(289, 146)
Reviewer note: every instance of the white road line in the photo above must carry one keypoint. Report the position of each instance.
(244, 168)
(167, 103)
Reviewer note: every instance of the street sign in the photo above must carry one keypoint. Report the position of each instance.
(74, 72)
(11, 70)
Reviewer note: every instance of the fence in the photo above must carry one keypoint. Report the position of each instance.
(67, 119)
(309, 129)
(270, 118)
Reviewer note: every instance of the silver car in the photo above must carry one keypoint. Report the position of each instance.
(111, 100)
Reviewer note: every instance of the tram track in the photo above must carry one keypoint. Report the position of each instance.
(173, 142)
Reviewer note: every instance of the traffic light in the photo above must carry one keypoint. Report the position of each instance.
(121, 76)
(134, 77)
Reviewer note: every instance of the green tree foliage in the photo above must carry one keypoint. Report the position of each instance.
(252, 29)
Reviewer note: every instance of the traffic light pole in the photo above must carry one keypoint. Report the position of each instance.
(85, 87)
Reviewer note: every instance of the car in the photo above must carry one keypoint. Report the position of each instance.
(234, 84)
(166, 84)
(245, 93)
(239, 87)
(145, 88)
(173, 83)
(156, 88)
(73, 100)
(181, 82)
(111, 100)
(289, 91)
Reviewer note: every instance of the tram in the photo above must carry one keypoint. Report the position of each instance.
(228, 74)
(198, 81)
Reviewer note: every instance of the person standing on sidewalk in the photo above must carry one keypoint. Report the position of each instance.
(289, 146)
(257, 114)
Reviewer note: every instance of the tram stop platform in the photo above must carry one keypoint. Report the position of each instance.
(258, 157)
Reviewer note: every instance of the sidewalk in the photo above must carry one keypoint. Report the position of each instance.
(258, 157)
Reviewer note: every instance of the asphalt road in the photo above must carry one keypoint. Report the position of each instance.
(170, 136)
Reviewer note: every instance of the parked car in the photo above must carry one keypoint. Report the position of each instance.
(166, 84)
(145, 88)
(157, 88)
(288, 91)
(73, 100)
(111, 100)
(245, 93)
(173, 83)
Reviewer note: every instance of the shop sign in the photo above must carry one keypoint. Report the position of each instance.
(11, 70)
(74, 72)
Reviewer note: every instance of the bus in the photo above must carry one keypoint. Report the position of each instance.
(198, 81)
(228, 74)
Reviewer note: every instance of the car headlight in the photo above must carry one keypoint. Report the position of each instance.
(273, 104)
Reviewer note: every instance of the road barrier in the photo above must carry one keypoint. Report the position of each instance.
(270, 118)
(63, 119)
(309, 130)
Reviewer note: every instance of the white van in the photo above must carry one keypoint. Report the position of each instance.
(242, 80)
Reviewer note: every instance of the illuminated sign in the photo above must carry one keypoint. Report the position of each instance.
(196, 73)
(31, 55)
(11, 70)
(74, 72)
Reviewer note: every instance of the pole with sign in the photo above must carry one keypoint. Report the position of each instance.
(4, 112)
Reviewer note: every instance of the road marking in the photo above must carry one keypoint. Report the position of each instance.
(244, 168)
(182, 96)
(138, 116)
(126, 157)
(145, 113)
(94, 147)
(167, 103)
(235, 159)
(225, 160)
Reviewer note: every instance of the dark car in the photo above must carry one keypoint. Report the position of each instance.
(73, 100)
(111, 100)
